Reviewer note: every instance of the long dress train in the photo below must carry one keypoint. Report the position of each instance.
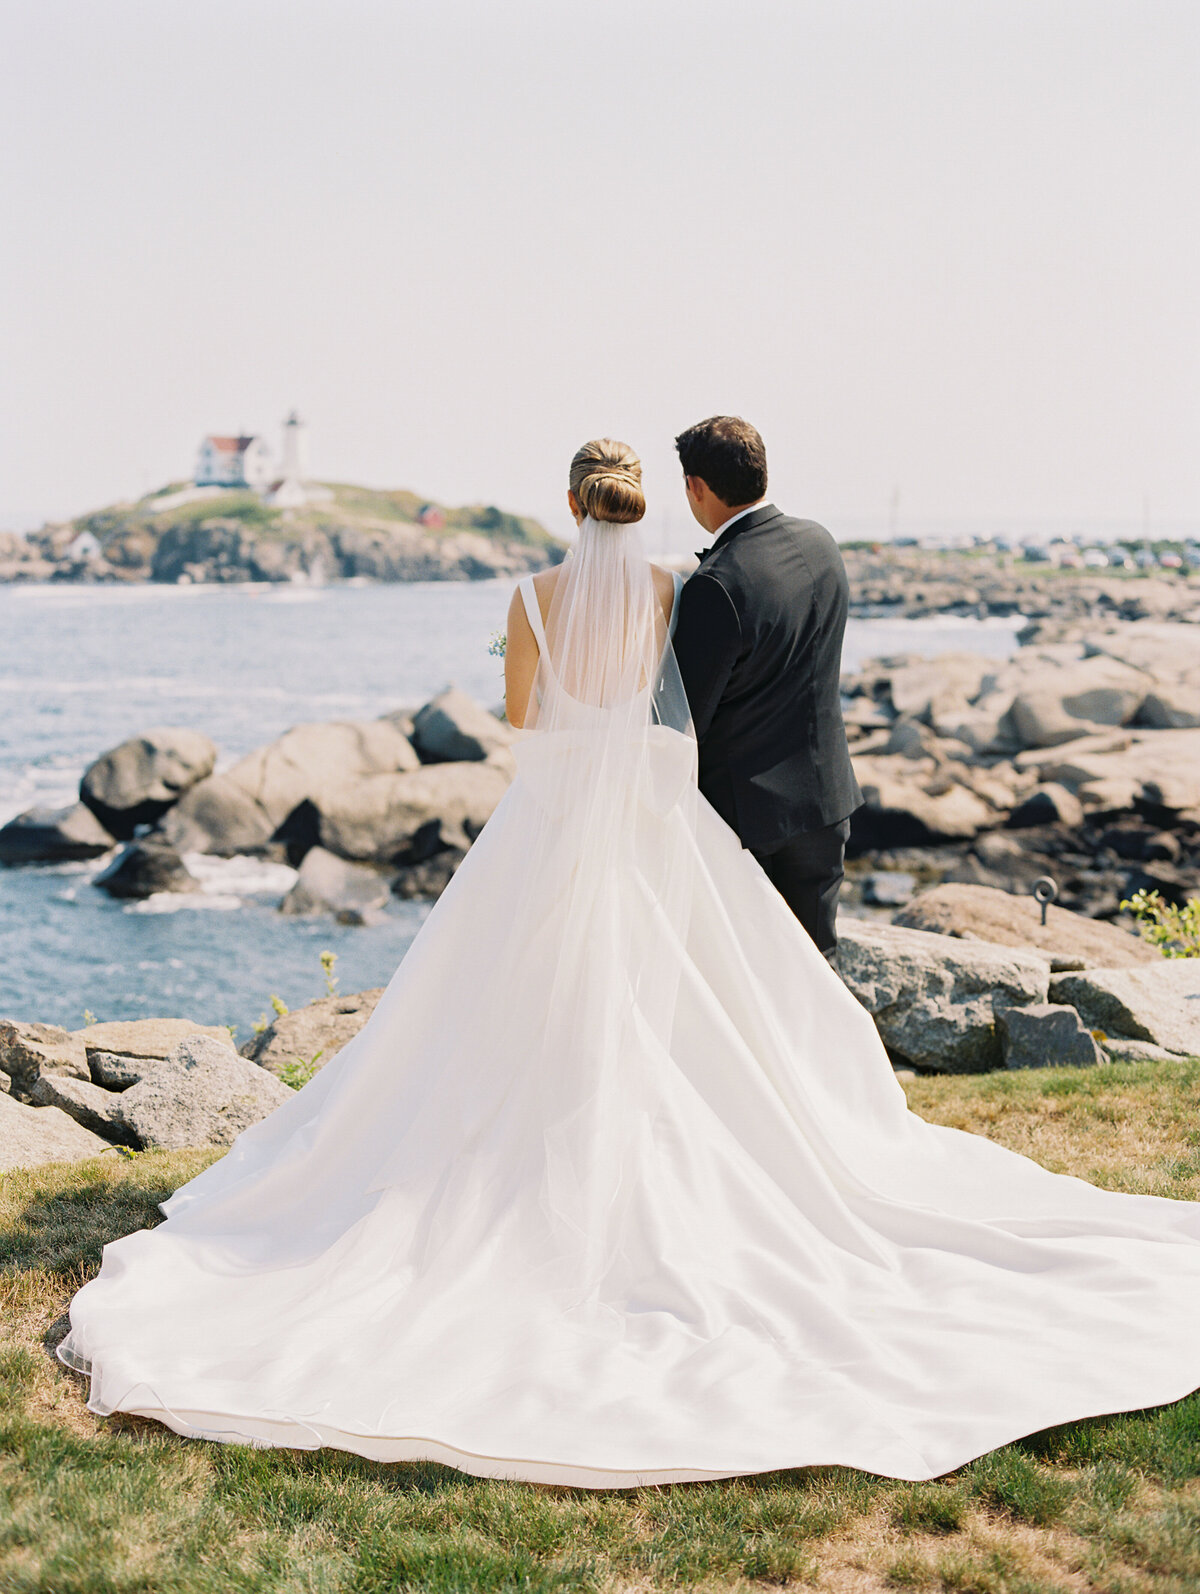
(673, 1221)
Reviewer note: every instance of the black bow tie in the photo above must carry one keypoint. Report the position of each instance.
(703, 553)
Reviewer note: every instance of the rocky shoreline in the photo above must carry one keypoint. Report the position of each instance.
(944, 998)
(891, 580)
(1076, 759)
(1079, 758)
(358, 808)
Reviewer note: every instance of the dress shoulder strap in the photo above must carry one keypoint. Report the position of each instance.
(533, 612)
(675, 600)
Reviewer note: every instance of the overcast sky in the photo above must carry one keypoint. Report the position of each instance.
(945, 246)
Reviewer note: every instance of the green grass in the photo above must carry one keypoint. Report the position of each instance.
(232, 504)
(123, 1506)
(397, 504)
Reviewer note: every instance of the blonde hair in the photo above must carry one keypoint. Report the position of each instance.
(606, 478)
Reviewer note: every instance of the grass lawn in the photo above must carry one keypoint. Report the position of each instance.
(90, 1505)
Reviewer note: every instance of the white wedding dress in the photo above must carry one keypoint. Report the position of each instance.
(617, 1185)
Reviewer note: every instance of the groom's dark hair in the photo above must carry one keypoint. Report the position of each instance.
(727, 453)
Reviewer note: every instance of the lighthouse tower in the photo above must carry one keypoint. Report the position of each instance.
(295, 449)
(289, 492)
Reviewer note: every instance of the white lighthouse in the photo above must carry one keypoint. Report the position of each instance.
(289, 492)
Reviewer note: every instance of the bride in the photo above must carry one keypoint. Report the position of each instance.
(617, 1185)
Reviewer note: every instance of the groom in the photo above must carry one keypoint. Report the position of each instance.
(759, 644)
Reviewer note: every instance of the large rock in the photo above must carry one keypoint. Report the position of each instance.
(898, 812)
(454, 728)
(1157, 769)
(352, 892)
(981, 913)
(27, 1050)
(30, 1136)
(96, 1109)
(135, 783)
(934, 998)
(1171, 708)
(888, 888)
(1119, 1049)
(1169, 653)
(304, 761)
(401, 719)
(1159, 1003)
(278, 790)
(1095, 692)
(150, 1039)
(315, 1033)
(220, 817)
(116, 1072)
(402, 819)
(926, 688)
(54, 835)
(1045, 1035)
(145, 867)
(1047, 805)
(203, 1094)
(427, 880)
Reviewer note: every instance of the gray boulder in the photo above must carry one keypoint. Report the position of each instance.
(352, 892)
(1047, 805)
(428, 879)
(1119, 1049)
(27, 1050)
(116, 1072)
(54, 835)
(203, 1094)
(402, 819)
(1045, 1035)
(982, 913)
(1075, 700)
(135, 783)
(302, 763)
(1159, 1003)
(910, 739)
(888, 888)
(144, 868)
(898, 812)
(278, 790)
(400, 719)
(134, 1039)
(95, 1108)
(454, 728)
(30, 1136)
(934, 999)
(924, 688)
(1171, 708)
(217, 816)
(312, 1034)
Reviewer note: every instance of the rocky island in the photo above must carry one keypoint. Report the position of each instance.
(187, 534)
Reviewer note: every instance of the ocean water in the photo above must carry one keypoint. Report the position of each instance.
(82, 668)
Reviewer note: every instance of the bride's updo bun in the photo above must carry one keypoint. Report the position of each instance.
(606, 478)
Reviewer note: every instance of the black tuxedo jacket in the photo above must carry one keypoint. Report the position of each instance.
(758, 637)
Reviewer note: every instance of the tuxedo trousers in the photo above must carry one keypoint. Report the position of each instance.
(807, 871)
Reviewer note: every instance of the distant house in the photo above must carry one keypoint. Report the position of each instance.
(432, 516)
(234, 462)
(85, 546)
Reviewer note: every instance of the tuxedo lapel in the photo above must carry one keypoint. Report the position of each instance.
(756, 517)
